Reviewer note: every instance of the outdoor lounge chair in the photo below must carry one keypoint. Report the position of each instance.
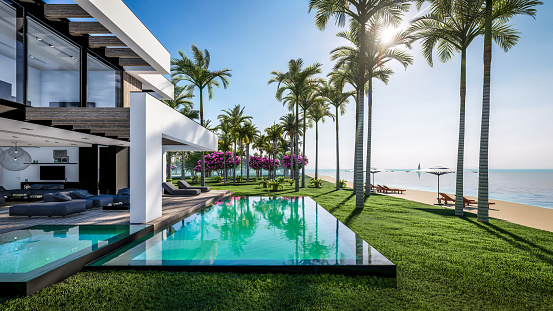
(374, 188)
(446, 198)
(469, 202)
(184, 185)
(172, 190)
(394, 189)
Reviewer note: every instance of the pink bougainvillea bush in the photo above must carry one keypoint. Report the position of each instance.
(287, 161)
(259, 163)
(215, 161)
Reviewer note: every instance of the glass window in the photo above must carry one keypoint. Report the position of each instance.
(7, 52)
(103, 85)
(53, 68)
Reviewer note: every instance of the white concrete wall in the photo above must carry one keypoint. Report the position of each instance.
(151, 120)
(13, 179)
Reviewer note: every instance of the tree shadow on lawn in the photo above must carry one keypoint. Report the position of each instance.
(509, 237)
(516, 241)
(332, 210)
(354, 214)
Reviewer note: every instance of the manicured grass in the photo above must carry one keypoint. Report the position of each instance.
(444, 262)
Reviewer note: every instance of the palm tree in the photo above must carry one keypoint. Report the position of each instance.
(507, 9)
(361, 11)
(225, 142)
(234, 117)
(274, 135)
(259, 143)
(452, 26)
(248, 132)
(335, 96)
(380, 51)
(296, 81)
(199, 76)
(288, 123)
(318, 112)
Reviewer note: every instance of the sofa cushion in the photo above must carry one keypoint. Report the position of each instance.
(53, 187)
(102, 200)
(62, 197)
(36, 186)
(48, 208)
(124, 191)
(80, 194)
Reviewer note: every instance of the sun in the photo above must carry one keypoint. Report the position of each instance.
(387, 35)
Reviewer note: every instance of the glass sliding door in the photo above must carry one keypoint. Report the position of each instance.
(53, 76)
(8, 53)
(103, 84)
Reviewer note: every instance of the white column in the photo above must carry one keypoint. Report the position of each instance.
(145, 161)
(164, 168)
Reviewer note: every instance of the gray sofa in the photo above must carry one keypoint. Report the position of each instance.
(48, 208)
(61, 204)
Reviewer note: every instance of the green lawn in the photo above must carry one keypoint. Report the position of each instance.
(443, 262)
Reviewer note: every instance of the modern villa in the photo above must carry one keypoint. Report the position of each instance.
(80, 91)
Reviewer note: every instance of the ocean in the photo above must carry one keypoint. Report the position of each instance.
(531, 187)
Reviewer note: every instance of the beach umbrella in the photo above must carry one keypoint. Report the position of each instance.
(377, 170)
(438, 171)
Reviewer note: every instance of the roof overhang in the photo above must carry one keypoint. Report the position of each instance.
(157, 83)
(36, 135)
(119, 20)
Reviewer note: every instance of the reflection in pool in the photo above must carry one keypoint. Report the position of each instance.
(254, 231)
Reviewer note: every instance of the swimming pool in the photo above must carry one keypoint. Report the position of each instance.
(255, 234)
(38, 256)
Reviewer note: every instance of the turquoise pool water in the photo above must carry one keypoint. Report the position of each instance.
(31, 252)
(252, 231)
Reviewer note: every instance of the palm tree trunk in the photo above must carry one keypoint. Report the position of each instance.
(202, 124)
(241, 157)
(483, 206)
(248, 161)
(358, 165)
(337, 154)
(369, 135)
(296, 175)
(303, 152)
(182, 173)
(316, 150)
(461, 146)
(234, 164)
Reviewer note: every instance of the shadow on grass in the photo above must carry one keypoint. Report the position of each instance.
(351, 217)
(516, 241)
(332, 210)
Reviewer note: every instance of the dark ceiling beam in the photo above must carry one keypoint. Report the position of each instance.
(103, 41)
(56, 11)
(77, 113)
(122, 122)
(120, 52)
(82, 28)
(132, 62)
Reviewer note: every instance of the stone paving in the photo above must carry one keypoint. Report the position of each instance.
(174, 208)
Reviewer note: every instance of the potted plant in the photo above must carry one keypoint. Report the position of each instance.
(290, 181)
(274, 185)
(264, 182)
(316, 183)
(238, 178)
(280, 179)
(195, 179)
(343, 183)
(219, 178)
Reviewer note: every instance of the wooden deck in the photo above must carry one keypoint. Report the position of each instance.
(174, 208)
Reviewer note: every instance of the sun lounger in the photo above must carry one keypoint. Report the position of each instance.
(172, 190)
(446, 198)
(374, 188)
(184, 185)
(394, 189)
(380, 188)
(469, 202)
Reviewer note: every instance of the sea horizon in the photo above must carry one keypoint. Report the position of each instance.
(524, 186)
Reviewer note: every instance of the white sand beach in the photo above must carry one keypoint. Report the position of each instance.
(527, 215)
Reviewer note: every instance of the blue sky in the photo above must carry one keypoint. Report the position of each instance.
(415, 116)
